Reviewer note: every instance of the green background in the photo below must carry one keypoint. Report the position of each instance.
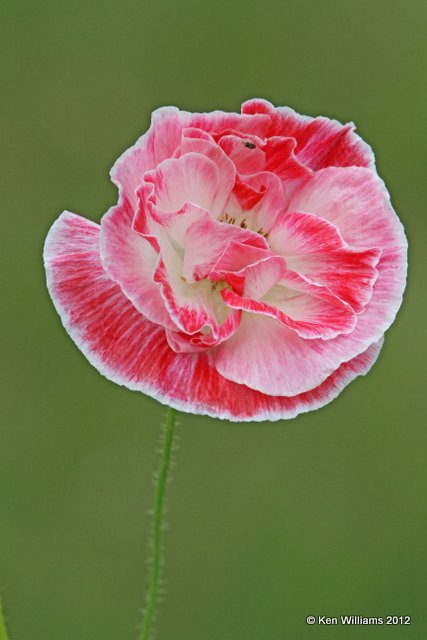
(269, 523)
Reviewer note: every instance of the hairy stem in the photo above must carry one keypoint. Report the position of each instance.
(156, 541)
(3, 632)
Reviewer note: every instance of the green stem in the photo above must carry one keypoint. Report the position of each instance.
(156, 541)
(3, 632)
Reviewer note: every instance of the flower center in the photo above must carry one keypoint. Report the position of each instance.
(241, 221)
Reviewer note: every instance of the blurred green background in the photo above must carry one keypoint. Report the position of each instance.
(269, 523)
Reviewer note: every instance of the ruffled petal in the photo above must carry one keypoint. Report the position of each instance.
(130, 350)
(321, 142)
(231, 267)
(192, 178)
(219, 123)
(156, 145)
(245, 197)
(315, 248)
(194, 307)
(308, 316)
(160, 142)
(257, 200)
(117, 339)
(205, 339)
(262, 283)
(189, 244)
(191, 143)
(245, 153)
(281, 160)
(251, 155)
(311, 311)
(130, 260)
(277, 349)
(205, 242)
(268, 356)
(357, 203)
(239, 403)
(310, 362)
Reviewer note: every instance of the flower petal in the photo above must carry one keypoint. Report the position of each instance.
(158, 144)
(207, 239)
(307, 363)
(257, 200)
(247, 155)
(269, 357)
(117, 339)
(231, 266)
(355, 200)
(193, 307)
(310, 316)
(130, 260)
(310, 362)
(321, 142)
(239, 403)
(191, 178)
(219, 123)
(130, 350)
(226, 169)
(281, 160)
(205, 339)
(315, 248)
(357, 203)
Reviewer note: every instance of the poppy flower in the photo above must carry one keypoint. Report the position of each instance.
(249, 270)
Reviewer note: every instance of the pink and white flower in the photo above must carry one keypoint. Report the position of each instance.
(249, 270)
